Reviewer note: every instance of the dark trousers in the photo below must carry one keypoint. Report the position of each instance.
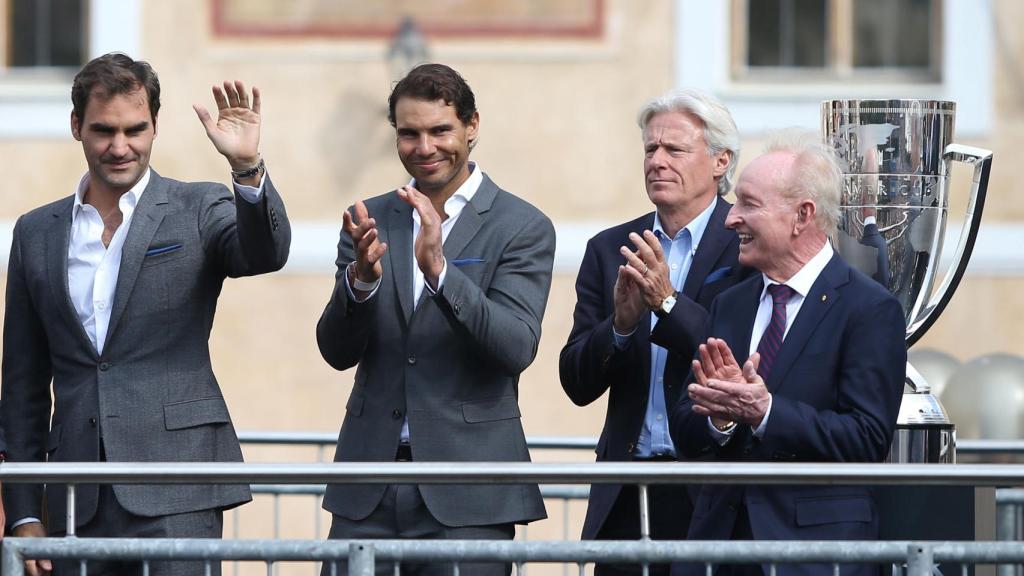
(402, 514)
(113, 521)
(669, 511)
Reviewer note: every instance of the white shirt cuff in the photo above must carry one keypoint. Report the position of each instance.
(251, 194)
(23, 521)
(759, 431)
(352, 294)
(440, 279)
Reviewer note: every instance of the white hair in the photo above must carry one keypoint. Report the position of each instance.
(816, 174)
(720, 132)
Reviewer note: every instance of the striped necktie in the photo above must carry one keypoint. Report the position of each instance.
(771, 340)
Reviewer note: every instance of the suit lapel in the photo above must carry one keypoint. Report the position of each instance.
(399, 241)
(470, 220)
(58, 240)
(746, 312)
(820, 299)
(146, 219)
(715, 240)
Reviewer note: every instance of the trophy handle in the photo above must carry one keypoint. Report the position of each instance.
(982, 161)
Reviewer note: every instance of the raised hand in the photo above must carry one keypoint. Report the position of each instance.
(236, 132)
(429, 248)
(366, 244)
(726, 401)
(648, 269)
(717, 362)
(629, 303)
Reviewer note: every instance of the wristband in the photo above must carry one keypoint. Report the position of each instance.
(250, 172)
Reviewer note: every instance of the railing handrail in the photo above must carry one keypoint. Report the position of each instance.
(516, 551)
(512, 473)
(308, 438)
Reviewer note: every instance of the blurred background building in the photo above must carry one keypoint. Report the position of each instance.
(558, 84)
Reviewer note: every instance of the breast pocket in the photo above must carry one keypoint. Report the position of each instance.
(163, 252)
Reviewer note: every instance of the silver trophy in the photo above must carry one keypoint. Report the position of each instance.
(897, 156)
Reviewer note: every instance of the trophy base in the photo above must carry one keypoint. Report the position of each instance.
(924, 434)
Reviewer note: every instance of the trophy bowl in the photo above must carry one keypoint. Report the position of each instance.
(897, 157)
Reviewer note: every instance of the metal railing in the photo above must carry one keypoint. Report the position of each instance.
(639, 473)
(361, 556)
(326, 439)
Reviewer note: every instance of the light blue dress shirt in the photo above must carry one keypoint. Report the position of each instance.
(679, 251)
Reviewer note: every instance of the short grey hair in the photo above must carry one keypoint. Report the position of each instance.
(816, 174)
(720, 132)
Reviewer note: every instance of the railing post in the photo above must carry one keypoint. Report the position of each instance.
(11, 561)
(1006, 530)
(645, 520)
(70, 525)
(919, 560)
(360, 560)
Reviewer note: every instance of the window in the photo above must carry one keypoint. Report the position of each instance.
(837, 40)
(43, 43)
(930, 49)
(45, 33)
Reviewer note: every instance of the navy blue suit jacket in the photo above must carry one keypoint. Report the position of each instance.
(836, 386)
(590, 364)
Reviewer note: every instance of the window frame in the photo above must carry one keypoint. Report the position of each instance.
(839, 53)
(703, 35)
(35, 102)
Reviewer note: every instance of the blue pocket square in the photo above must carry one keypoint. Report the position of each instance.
(162, 249)
(467, 261)
(718, 274)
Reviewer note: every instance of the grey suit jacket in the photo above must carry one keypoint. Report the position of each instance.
(453, 364)
(151, 396)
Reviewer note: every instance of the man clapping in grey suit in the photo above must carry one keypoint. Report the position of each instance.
(440, 290)
(111, 294)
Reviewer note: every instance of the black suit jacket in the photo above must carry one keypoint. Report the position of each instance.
(836, 386)
(590, 364)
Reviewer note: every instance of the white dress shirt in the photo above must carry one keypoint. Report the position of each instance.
(801, 283)
(93, 268)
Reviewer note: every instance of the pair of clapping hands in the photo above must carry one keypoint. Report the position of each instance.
(726, 392)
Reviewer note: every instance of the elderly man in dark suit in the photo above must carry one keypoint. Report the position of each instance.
(439, 295)
(657, 273)
(823, 372)
(111, 294)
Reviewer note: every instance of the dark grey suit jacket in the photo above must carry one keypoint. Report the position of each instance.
(453, 364)
(151, 396)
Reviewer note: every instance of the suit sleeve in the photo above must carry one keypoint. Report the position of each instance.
(504, 322)
(682, 330)
(589, 362)
(27, 372)
(690, 431)
(344, 327)
(245, 238)
(859, 427)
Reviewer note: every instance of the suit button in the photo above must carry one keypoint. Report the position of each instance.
(411, 360)
(92, 422)
(396, 414)
(104, 366)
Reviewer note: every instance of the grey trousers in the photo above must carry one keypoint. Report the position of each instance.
(113, 521)
(402, 514)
